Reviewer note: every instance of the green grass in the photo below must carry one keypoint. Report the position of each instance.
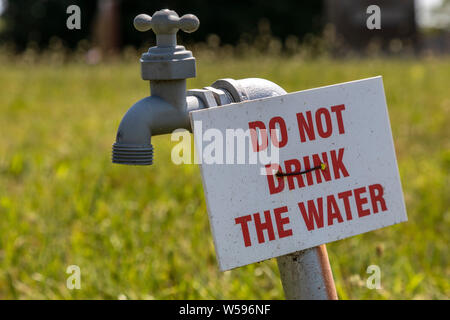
(143, 232)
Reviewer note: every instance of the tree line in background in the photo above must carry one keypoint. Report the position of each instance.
(111, 21)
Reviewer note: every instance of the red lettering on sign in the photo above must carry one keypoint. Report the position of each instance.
(305, 127)
(281, 222)
(282, 129)
(333, 210)
(325, 172)
(323, 123)
(360, 202)
(329, 129)
(276, 183)
(271, 177)
(376, 195)
(307, 166)
(267, 225)
(256, 126)
(243, 221)
(338, 165)
(313, 214)
(338, 110)
(345, 198)
(291, 166)
(260, 226)
(254, 135)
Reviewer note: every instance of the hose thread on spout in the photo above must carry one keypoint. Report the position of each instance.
(132, 154)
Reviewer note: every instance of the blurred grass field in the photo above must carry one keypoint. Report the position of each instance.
(143, 232)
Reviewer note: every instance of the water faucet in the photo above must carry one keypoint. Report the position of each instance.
(167, 66)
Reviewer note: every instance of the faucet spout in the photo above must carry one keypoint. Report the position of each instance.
(149, 116)
(133, 140)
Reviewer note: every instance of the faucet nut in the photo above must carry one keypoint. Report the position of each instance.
(222, 97)
(206, 96)
(167, 70)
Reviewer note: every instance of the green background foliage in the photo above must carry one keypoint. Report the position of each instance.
(143, 232)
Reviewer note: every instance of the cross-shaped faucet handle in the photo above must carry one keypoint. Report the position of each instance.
(165, 24)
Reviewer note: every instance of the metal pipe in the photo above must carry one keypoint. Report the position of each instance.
(168, 109)
(307, 275)
(172, 91)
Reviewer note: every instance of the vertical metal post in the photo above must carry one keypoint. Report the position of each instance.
(306, 275)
